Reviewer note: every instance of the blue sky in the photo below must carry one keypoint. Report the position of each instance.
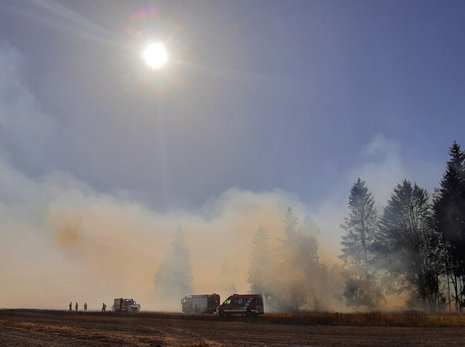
(259, 95)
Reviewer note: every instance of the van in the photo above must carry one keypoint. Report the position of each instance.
(241, 304)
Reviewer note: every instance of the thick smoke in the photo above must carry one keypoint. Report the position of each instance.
(65, 242)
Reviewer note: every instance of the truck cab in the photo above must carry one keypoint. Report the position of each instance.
(241, 304)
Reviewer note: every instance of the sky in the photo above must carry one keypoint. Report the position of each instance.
(281, 101)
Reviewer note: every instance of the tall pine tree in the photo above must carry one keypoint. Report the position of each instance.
(360, 226)
(261, 264)
(361, 288)
(406, 245)
(299, 267)
(449, 221)
(174, 277)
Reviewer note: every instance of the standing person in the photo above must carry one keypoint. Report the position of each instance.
(70, 305)
(76, 306)
(104, 307)
(85, 306)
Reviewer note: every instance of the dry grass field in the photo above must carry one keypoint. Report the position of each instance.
(60, 328)
(385, 319)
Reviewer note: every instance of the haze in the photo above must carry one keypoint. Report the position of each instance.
(264, 105)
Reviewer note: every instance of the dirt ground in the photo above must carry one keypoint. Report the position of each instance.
(61, 328)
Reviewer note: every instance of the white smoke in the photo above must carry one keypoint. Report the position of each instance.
(64, 241)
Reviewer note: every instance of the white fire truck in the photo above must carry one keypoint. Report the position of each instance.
(202, 303)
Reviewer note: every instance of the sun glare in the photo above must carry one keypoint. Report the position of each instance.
(155, 55)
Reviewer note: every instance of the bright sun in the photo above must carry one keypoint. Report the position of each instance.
(155, 55)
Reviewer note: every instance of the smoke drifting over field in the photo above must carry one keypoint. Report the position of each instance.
(65, 242)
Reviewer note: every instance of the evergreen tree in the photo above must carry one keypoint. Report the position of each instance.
(227, 278)
(407, 246)
(301, 245)
(260, 264)
(361, 288)
(449, 221)
(359, 226)
(174, 277)
(299, 267)
(290, 228)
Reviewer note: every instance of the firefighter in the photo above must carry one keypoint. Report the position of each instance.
(76, 306)
(104, 307)
(70, 306)
(85, 306)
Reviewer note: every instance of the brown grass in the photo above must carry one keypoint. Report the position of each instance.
(388, 319)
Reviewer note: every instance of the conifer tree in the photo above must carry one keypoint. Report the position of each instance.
(360, 226)
(361, 287)
(449, 221)
(261, 264)
(174, 277)
(227, 278)
(407, 246)
(299, 267)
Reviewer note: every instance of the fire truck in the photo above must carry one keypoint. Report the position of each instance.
(250, 305)
(125, 305)
(201, 303)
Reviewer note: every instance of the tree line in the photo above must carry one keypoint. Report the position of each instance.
(285, 274)
(414, 246)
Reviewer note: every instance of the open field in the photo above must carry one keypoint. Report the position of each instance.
(61, 328)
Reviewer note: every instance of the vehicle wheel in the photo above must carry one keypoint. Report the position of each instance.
(221, 313)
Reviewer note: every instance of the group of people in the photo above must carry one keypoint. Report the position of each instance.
(76, 306)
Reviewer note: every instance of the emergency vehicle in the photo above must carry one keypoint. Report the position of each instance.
(125, 305)
(241, 304)
(201, 303)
